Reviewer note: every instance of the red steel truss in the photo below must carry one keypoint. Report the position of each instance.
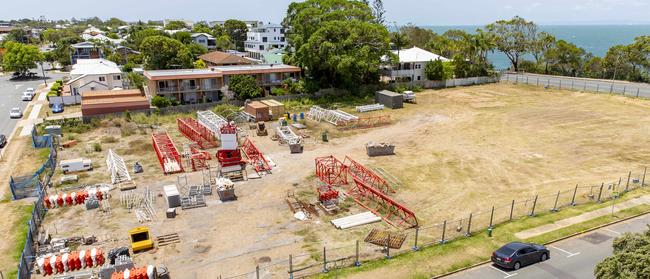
(366, 122)
(331, 171)
(369, 190)
(166, 152)
(196, 132)
(368, 177)
(198, 158)
(255, 157)
(391, 211)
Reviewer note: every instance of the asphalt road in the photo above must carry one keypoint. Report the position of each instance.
(574, 258)
(10, 93)
(631, 89)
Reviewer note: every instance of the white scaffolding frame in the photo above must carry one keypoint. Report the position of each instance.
(117, 168)
(212, 121)
(368, 108)
(334, 117)
(286, 135)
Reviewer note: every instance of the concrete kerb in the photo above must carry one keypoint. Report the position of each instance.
(548, 243)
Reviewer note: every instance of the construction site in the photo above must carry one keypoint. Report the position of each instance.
(217, 195)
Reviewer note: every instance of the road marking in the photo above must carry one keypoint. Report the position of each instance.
(569, 254)
(508, 275)
(612, 231)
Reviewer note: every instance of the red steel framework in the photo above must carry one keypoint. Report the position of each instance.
(331, 171)
(166, 150)
(368, 177)
(366, 122)
(196, 132)
(199, 158)
(255, 157)
(369, 190)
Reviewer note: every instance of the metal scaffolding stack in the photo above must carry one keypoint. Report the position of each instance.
(368, 108)
(255, 157)
(196, 132)
(212, 122)
(168, 156)
(117, 168)
(286, 135)
(335, 117)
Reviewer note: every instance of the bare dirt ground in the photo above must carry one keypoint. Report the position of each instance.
(458, 150)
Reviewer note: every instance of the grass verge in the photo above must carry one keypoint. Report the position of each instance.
(435, 260)
(19, 231)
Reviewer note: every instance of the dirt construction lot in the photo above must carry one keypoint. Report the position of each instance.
(458, 150)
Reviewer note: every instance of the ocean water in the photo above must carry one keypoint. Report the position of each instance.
(596, 39)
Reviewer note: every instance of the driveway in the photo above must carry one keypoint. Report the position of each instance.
(10, 92)
(574, 258)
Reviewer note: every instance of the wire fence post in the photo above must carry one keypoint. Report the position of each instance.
(600, 192)
(257, 271)
(532, 212)
(556, 198)
(627, 185)
(290, 266)
(637, 92)
(611, 89)
(491, 217)
(324, 260)
(585, 88)
(356, 261)
(572, 84)
(512, 208)
(560, 84)
(643, 180)
(415, 246)
(469, 226)
(573, 199)
(444, 229)
(597, 87)
(537, 81)
(387, 246)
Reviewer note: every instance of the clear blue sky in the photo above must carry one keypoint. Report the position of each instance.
(420, 12)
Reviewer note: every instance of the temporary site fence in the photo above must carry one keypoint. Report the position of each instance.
(630, 89)
(436, 84)
(33, 185)
(66, 100)
(440, 232)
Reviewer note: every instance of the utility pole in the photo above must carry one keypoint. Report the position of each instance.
(43, 71)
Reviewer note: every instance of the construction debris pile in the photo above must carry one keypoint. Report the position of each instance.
(380, 149)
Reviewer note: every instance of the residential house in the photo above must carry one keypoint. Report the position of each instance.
(411, 65)
(211, 84)
(113, 101)
(218, 58)
(264, 38)
(85, 50)
(95, 75)
(204, 39)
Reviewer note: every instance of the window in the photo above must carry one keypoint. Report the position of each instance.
(102, 78)
(117, 77)
(418, 77)
(265, 39)
(261, 47)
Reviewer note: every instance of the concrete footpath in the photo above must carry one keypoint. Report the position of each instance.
(583, 217)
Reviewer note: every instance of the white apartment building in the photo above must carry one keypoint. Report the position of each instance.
(264, 38)
(94, 75)
(411, 64)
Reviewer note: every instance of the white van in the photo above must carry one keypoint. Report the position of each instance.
(75, 165)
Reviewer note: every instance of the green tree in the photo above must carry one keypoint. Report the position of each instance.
(336, 41)
(183, 37)
(541, 45)
(434, 70)
(567, 57)
(161, 102)
(114, 22)
(513, 37)
(245, 87)
(218, 31)
(236, 29)
(136, 80)
(593, 67)
(399, 40)
(20, 57)
(201, 27)
(175, 25)
(18, 35)
(224, 43)
(631, 258)
(161, 52)
(199, 64)
(196, 50)
(136, 36)
(462, 67)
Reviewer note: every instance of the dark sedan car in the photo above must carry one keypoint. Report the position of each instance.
(3, 141)
(514, 255)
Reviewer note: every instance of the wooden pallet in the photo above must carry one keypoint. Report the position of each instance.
(167, 239)
(380, 237)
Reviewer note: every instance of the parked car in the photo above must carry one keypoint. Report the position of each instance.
(57, 108)
(16, 113)
(3, 141)
(514, 255)
(31, 91)
(27, 96)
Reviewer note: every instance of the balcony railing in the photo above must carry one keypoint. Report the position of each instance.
(168, 89)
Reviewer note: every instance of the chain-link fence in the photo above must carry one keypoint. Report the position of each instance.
(33, 185)
(629, 89)
(358, 251)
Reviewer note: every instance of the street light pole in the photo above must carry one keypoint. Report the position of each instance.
(43, 71)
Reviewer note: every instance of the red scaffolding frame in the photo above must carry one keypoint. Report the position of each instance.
(196, 132)
(368, 177)
(331, 171)
(166, 151)
(199, 158)
(255, 157)
(390, 210)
